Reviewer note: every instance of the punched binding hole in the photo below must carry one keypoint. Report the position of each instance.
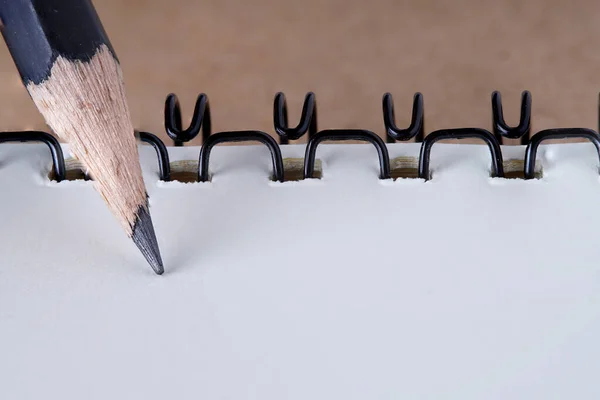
(185, 171)
(404, 167)
(74, 171)
(293, 169)
(515, 169)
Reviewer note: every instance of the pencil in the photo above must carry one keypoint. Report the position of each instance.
(73, 76)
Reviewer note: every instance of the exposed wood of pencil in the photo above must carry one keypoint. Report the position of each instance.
(84, 102)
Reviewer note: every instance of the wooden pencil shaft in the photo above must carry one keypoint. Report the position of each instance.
(85, 104)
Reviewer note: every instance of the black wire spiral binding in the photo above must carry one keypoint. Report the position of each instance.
(346, 134)
(58, 159)
(461, 133)
(308, 118)
(240, 136)
(558, 133)
(201, 120)
(415, 129)
(164, 165)
(501, 129)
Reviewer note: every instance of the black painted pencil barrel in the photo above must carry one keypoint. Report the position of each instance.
(38, 31)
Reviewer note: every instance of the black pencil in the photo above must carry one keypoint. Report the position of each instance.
(72, 74)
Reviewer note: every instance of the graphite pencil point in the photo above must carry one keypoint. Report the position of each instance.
(145, 239)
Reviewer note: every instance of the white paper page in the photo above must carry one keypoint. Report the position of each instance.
(463, 287)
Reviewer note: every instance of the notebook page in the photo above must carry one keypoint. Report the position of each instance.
(462, 287)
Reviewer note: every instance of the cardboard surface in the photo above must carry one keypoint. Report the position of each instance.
(349, 53)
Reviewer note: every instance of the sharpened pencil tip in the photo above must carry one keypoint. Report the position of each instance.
(145, 239)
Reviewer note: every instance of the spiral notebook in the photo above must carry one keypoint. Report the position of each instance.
(464, 285)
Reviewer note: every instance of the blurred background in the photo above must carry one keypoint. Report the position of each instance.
(349, 52)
